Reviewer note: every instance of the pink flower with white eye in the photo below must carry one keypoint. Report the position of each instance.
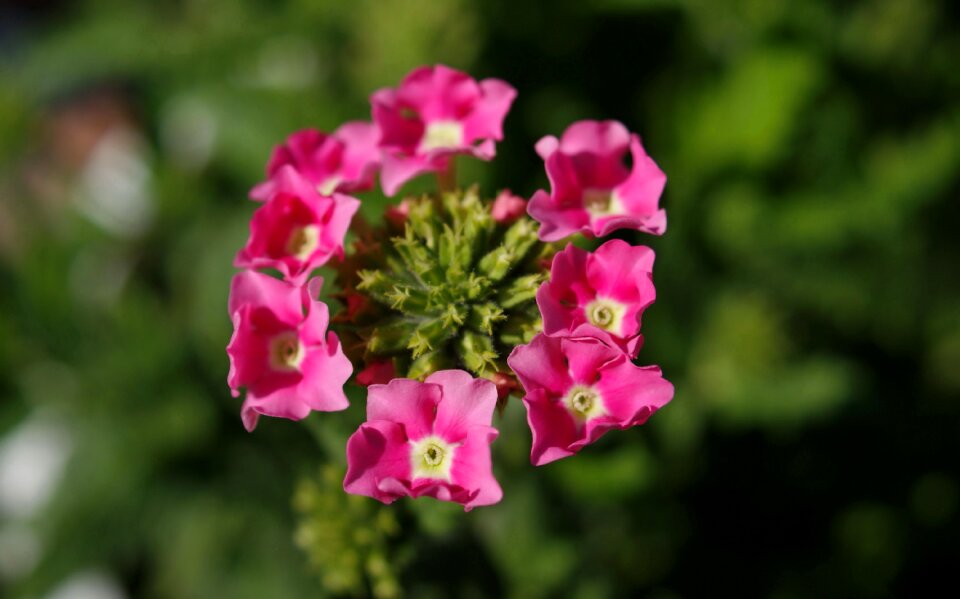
(426, 439)
(344, 161)
(592, 190)
(578, 388)
(281, 350)
(606, 290)
(508, 207)
(437, 112)
(298, 229)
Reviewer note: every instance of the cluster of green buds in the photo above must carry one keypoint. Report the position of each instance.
(443, 284)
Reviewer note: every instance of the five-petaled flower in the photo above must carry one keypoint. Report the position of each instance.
(344, 161)
(607, 289)
(297, 229)
(426, 439)
(437, 112)
(592, 191)
(281, 350)
(578, 388)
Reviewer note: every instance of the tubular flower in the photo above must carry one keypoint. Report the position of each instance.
(606, 290)
(578, 388)
(426, 439)
(508, 207)
(434, 113)
(344, 161)
(592, 190)
(281, 350)
(298, 229)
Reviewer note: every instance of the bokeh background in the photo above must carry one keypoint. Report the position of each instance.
(808, 303)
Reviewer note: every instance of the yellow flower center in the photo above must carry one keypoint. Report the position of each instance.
(441, 134)
(328, 186)
(286, 352)
(601, 203)
(432, 457)
(303, 241)
(606, 314)
(584, 403)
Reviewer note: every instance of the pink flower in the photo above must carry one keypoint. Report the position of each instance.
(298, 229)
(606, 290)
(437, 112)
(345, 161)
(426, 439)
(578, 388)
(508, 207)
(592, 190)
(281, 350)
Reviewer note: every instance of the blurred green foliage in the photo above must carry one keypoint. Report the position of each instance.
(808, 303)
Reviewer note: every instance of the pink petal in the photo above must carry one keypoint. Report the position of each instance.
(247, 352)
(325, 371)
(377, 373)
(408, 402)
(540, 364)
(555, 223)
(486, 119)
(547, 146)
(586, 356)
(397, 170)
(378, 458)
(554, 430)
(282, 402)
(467, 402)
(631, 393)
(623, 272)
(361, 154)
(603, 138)
(260, 290)
(472, 469)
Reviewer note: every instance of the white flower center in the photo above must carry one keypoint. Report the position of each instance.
(328, 185)
(432, 457)
(583, 403)
(303, 241)
(286, 353)
(606, 314)
(441, 134)
(601, 203)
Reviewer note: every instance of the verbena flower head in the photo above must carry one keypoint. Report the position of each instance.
(345, 161)
(450, 288)
(298, 229)
(606, 290)
(578, 388)
(451, 302)
(434, 113)
(428, 438)
(281, 350)
(593, 191)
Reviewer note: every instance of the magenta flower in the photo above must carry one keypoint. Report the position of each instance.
(606, 290)
(508, 207)
(281, 350)
(437, 112)
(592, 190)
(298, 229)
(345, 161)
(426, 439)
(578, 388)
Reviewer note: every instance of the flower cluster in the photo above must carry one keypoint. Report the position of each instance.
(453, 303)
